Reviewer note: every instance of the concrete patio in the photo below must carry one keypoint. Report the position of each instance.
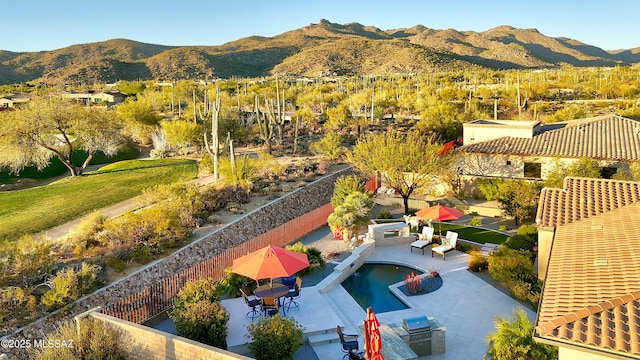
(465, 305)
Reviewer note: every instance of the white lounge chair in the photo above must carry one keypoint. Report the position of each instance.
(425, 238)
(448, 244)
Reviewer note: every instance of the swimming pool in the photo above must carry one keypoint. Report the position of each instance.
(369, 286)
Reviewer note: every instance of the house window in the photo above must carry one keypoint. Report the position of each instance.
(532, 170)
(508, 162)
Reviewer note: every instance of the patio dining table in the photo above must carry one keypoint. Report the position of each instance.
(275, 291)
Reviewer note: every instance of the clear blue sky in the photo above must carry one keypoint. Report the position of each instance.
(34, 25)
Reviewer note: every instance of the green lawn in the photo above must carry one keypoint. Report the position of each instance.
(37, 209)
(464, 232)
(472, 233)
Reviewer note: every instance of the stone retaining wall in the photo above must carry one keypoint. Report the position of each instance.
(247, 227)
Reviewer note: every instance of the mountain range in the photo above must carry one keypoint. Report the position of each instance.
(322, 48)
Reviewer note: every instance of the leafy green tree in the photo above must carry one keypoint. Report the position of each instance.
(583, 167)
(140, 115)
(513, 340)
(339, 118)
(405, 162)
(519, 199)
(52, 126)
(274, 337)
(182, 134)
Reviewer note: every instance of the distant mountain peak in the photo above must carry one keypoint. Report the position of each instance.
(350, 48)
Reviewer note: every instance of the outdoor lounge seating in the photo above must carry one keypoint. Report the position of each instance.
(425, 238)
(253, 302)
(270, 306)
(448, 244)
(294, 294)
(349, 344)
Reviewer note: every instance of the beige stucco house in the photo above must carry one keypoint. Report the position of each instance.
(98, 97)
(527, 149)
(589, 237)
(13, 100)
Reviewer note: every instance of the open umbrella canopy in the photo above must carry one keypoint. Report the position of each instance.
(439, 212)
(372, 338)
(270, 262)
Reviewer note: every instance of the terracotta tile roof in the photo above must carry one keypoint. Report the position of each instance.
(591, 295)
(610, 137)
(582, 198)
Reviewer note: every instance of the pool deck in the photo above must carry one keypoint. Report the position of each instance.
(465, 305)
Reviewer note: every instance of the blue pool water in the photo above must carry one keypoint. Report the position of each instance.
(369, 286)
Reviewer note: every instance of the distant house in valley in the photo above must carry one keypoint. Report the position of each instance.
(526, 149)
(589, 236)
(97, 97)
(13, 100)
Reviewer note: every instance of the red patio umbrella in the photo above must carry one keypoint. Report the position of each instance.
(440, 213)
(270, 262)
(372, 338)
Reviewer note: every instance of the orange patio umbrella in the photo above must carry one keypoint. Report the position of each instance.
(372, 338)
(440, 213)
(270, 262)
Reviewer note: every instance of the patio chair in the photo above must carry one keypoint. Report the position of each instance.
(253, 302)
(448, 244)
(270, 306)
(294, 294)
(349, 344)
(425, 238)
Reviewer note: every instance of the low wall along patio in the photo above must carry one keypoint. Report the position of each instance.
(150, 290)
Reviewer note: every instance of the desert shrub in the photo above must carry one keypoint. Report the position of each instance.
(270, 167)
(153, 226)
(309, 165)
(141, 254)
(17, 303)
(116, 263)
(384, 213)
(26, 257)
(185, 200)
(465, 248)
(475, 221)
(274, 337)
(507, 265)
(314, 255)
(90, 339)
(84, 235)
(330, 146)
(477, 262)
(413, 283)
(68, 285)
(243, 173)
(527, 292)
(198, 314)
(216, 199)
(519, 242)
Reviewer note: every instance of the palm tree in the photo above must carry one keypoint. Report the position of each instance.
(513, 340)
